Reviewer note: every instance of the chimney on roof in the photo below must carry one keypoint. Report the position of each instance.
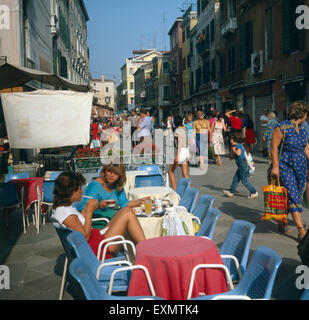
(102, 78)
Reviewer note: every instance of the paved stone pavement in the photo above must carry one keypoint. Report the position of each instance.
(36, 261)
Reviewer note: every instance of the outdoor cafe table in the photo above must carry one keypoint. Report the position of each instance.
(130, 175)
(30, 189)
(170, 261)
(157, 193)
(30, 194)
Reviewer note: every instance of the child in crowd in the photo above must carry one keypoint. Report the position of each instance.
(241, 174)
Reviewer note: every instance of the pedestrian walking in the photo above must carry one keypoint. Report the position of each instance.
(217, 138)
(264, 121)
(241, 174)
(201, 137)
(249, 134)
(134, 123)
(182, 156)
(291, 168)
(271, 125)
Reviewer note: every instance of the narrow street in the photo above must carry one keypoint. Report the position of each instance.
(36, 261)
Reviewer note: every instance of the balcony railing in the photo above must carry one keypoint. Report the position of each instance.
(229, 27)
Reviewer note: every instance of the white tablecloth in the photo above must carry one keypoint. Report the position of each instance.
(156, 193)
(131, 179)
(153, 226)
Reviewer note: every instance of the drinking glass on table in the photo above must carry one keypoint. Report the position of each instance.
(148, 206)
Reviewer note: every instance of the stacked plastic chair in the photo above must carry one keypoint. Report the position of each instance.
(182, 186)
(236, 247)
(81, 271)
(257, 281)
(189, 198)
(151, 168)
(204, 204)
(207, 227)
(47, 197)
(111, 276)
(150, 180)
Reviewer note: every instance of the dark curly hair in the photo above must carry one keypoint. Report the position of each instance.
(238, 137)
(66, 183)
(297, 110)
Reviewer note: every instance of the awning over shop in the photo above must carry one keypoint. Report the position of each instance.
(13, 76)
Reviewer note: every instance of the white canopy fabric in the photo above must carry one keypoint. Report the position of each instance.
(47, 118)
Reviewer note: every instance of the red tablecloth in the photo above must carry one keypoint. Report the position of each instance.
(170, 261)
(30, 187)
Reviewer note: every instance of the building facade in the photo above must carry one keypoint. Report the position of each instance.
(47, 35)
(140, 58)
(205, 57)
(104, 92)
(188, 24)
(265, 57)
(176, 65)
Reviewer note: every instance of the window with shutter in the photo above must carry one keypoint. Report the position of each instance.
(246, 44)
(292, 38)
(286, 30)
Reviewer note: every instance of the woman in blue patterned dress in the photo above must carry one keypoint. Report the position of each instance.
(292, 168)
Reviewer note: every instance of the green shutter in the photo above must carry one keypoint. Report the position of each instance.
(286, 27)
(243, 46)
(250, 42)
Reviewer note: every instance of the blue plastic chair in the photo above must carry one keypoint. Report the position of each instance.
(305, 295)
(205, 202)
(63, 234)
(237, 244)
(54, 175)
(48, 195)
(151, 180)
(151, 168)
(182, 186)
(83, 251)
(81, 272)
(189, 198)
(259, 277)
(11, 176)
(9, 199)
(208, 225)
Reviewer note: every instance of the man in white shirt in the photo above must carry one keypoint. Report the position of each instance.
(264, 120)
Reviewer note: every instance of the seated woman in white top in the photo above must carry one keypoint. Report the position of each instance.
(67, 190)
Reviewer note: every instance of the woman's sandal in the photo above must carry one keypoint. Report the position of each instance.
(299, 236)
(283, 228)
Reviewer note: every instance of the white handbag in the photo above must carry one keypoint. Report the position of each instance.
(184, 155)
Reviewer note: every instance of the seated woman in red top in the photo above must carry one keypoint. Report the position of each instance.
(67, 190)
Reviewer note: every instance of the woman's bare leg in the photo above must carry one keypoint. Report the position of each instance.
(297, 217)
(171, 175)
(125, 221)
(185, 171)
